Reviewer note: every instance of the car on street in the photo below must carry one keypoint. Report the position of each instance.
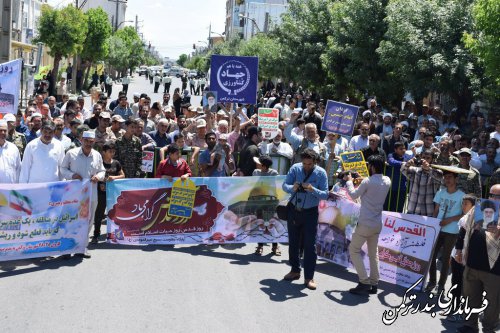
(175, 71)
(193, 73)
(142, 70)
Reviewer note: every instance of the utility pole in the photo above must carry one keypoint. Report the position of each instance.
(136, 23)
(116, 11)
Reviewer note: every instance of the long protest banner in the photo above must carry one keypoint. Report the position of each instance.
(211, 210)
(10, 80)
(39, 220)
(405, 242)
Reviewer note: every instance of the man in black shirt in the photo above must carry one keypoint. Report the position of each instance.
(373, 148)
(479, 250)
(246, 164)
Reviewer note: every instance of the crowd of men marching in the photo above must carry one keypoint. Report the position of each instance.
(50, 141)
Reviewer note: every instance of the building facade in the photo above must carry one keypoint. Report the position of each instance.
(245, 18)
(114, 9)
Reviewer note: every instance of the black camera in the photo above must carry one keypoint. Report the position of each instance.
(301, 188)
(418, 161)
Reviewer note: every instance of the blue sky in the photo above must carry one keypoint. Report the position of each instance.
(173, 26)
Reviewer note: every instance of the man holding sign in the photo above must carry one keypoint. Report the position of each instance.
(372, 192)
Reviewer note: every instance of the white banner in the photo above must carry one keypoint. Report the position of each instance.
(10, 81)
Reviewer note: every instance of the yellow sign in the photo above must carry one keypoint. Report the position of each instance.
(355, 161)
(182, 198)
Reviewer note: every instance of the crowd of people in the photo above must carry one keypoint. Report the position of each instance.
(50, 141)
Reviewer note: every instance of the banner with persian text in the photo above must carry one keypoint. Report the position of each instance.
(212, 210)
(10, 82)
(39, 220)
(405, 242)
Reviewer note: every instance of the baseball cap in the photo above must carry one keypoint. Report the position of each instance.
(464, 150)
(105, 115)
(199, 109)
(201, 123)
(117, 118)
(221, 113)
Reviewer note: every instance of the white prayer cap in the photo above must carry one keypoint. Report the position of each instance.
(3, 122)
(367, 113)
(88, 135)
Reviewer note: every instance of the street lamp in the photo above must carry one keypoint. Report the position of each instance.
(123, 22)
(251, 19)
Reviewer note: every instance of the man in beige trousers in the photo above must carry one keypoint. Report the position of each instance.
(372, 191)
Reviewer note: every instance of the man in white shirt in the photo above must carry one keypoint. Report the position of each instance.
(167, 81)
(85, 163)
(281, 153)
(65, 140)
(125, 83)
(496, 134)
(42, 157)
(10, 159)
(360, 141)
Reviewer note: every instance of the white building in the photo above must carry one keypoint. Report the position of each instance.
(246, 18)
(112, 8)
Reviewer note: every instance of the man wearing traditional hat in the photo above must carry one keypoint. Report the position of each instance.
(385, 128)
(85, 163)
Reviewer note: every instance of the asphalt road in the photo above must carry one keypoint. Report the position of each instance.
(190, 289)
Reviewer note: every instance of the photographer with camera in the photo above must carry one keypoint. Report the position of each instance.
(422, 183)
(308, 184)
(372, 191)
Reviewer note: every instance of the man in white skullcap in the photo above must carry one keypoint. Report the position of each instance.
(85, 163)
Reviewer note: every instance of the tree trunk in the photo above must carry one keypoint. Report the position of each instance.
(86, 76)
(55, 74)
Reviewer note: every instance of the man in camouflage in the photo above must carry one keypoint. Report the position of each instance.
(468, 183)
(18, 139)
(129, 150)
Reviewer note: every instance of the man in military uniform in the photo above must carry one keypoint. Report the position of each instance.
(18, 139)
(445, 157)
(101, 131)
(129, 150)
(468, 183)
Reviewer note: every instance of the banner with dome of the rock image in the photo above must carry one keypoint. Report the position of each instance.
(209, 211)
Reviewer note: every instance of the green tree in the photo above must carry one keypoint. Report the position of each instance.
(484, 40)
(423, 48)
(302, 40)
(126, 50)
(351, 59)
(96, 46)
(182, 60)
(63, 32)
(268, 51)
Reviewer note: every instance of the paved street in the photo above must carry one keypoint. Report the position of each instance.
(141, 85)
(190, 289)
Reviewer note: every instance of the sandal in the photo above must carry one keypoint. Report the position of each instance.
(276, 251)
(259, 250)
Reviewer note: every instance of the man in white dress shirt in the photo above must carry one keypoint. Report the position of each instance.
(10, 159)
(360, 141)
(280, 152)
(85, 163)
(42, 157)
